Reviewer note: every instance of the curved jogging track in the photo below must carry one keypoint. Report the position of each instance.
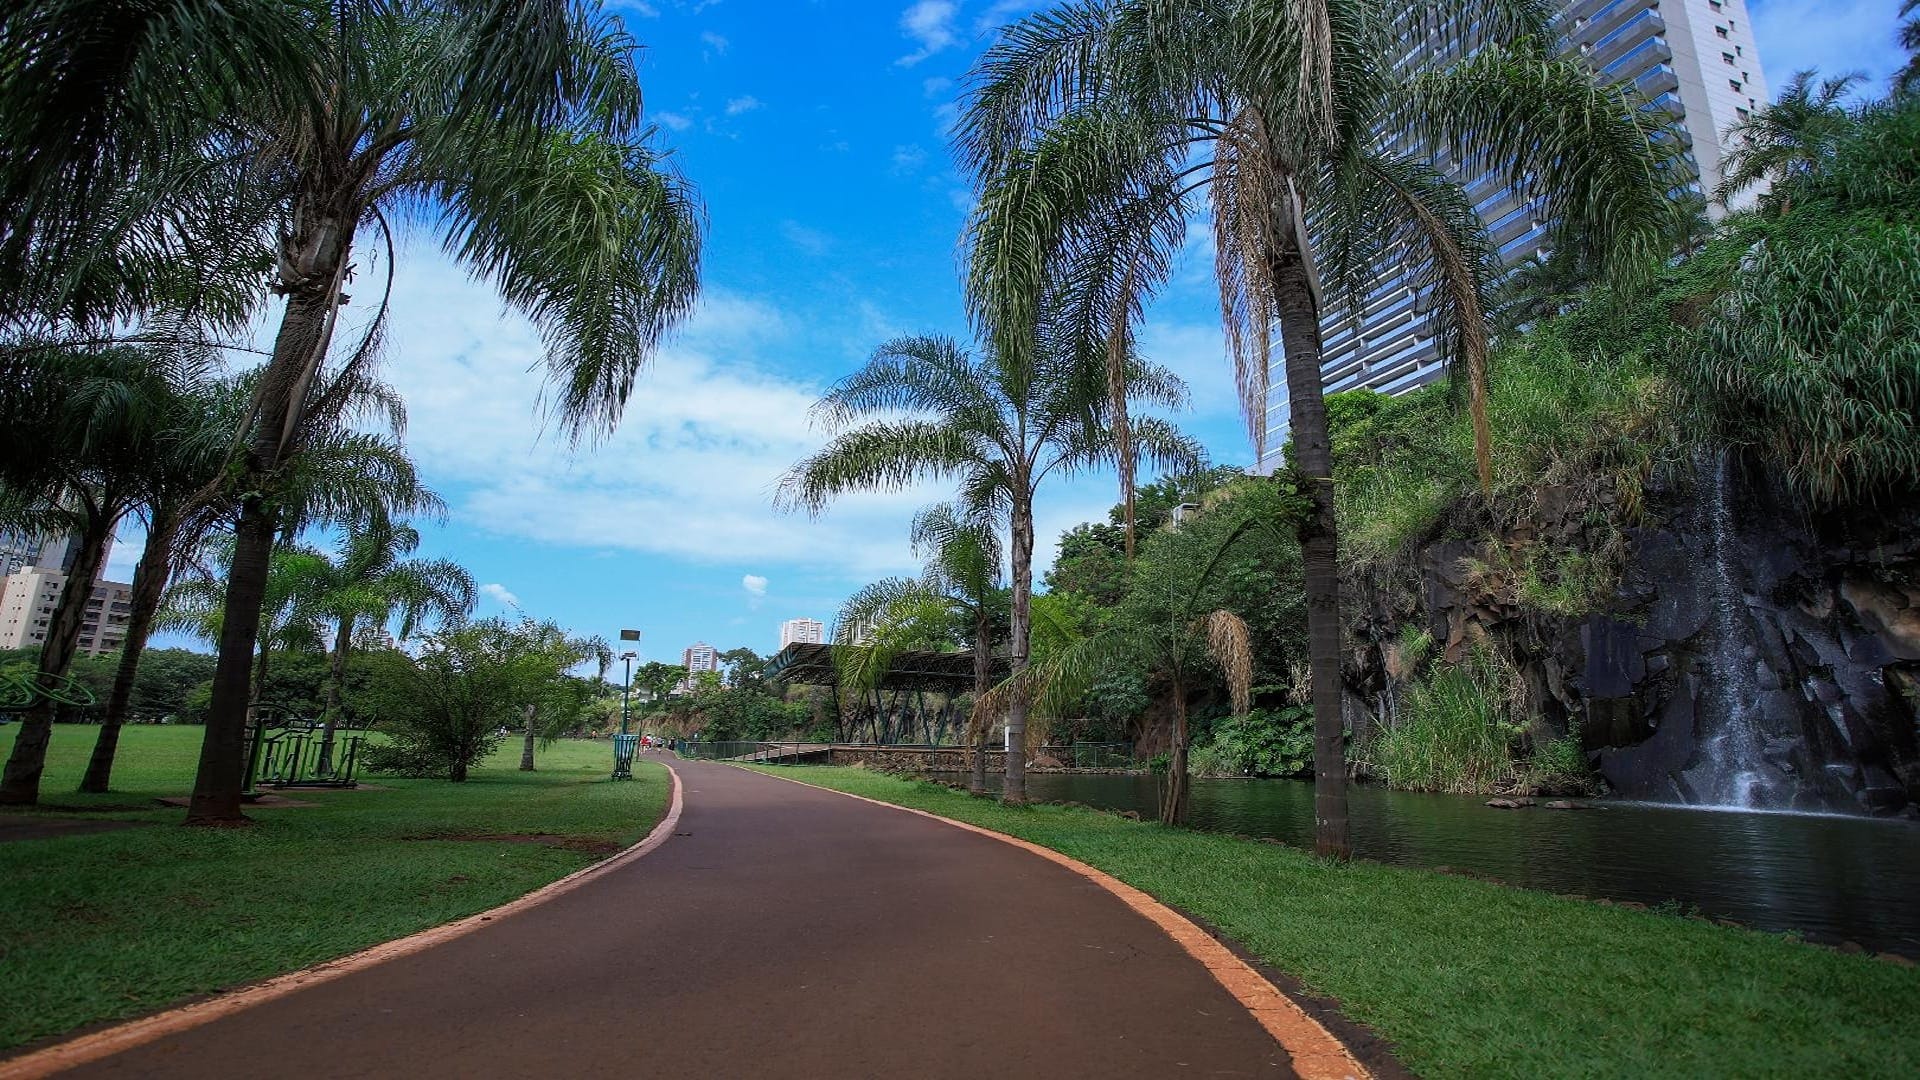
(771, 930)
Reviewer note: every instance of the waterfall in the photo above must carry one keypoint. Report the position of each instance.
(1731, 769)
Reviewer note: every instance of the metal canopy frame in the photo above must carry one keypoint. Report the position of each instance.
(951, 673)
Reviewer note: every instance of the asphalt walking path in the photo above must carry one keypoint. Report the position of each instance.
(783, 931)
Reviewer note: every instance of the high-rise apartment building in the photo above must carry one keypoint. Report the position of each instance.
(1695, 59)
(26, 610)
(21, 550)
(803, 631)
(699, 657)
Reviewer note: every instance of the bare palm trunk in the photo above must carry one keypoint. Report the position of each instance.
(982, 683)
(336, 681)
(303, 329)
(526, 747)
(1312, 460)
(1015, 791)
(149, 586)
(1173, 804)
(20, 784)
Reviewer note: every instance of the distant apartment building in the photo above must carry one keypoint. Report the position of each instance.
(1696, 60)
(802, 631)
(699, 657)
(30, 595)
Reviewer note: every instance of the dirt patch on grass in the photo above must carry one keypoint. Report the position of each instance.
(583, 844)
(264, 802)
(35, 827)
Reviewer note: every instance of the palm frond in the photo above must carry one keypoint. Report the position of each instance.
(597, 241)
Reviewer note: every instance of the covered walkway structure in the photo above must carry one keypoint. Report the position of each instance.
(887, 696)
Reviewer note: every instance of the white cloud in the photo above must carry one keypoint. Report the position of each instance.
(124, 556)
(714, 42)
(640, 8)
(937, 85)
(930, 23)
(673, 120)
(908, 159)
(743, 104)
(811, 241)
(945, 115)
(754, 584)
(1834, 36)
(691, 472)
(500, 594)
(1003, 11)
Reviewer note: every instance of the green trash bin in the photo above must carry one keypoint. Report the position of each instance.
(623, 748)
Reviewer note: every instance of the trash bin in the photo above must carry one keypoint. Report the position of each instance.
(623, 748)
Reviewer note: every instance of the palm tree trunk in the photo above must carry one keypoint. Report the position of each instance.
(1173, 806)
(336, 680)
(1015, 791)
(526, 747)
(20, 784)
(982, 682)
(320, 251)
(223, 750)
(1313, 462)
(149, 586)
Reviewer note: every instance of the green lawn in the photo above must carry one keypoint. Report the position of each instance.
(115, 924)
(1471, 979)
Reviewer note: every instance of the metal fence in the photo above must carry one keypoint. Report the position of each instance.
(1080, 755)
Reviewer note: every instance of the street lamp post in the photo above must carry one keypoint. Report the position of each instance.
(625, 743)
(626, 692)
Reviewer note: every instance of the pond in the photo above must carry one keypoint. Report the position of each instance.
(1830, 878)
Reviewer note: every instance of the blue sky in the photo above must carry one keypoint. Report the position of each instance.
(816, 133)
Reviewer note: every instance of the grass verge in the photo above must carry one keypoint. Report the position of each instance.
(1472, 979)
(106, 925)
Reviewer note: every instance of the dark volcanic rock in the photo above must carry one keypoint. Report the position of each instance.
(1807, 626)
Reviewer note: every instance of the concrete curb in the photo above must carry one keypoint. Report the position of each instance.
(121, 1037)
(1316, 1053)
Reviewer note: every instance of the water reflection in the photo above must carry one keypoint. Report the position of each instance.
(1831, 878)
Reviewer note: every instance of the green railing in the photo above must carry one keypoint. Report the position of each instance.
(20, 688)
(1082, 755)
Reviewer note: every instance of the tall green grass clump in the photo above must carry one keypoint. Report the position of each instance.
(1455, 730)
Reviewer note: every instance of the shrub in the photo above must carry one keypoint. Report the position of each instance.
(1264, 742)
(1560, 766)
(1455, 730)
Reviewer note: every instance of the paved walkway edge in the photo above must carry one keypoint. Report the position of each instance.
(1316, 1053)
(110, 1041)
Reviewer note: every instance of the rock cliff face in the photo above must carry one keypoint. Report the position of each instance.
(1749, 655)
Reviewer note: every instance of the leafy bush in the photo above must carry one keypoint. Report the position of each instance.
(1814, 362)
(1264, 742)
(1562, 410)
(450, 706)
(1560, 766)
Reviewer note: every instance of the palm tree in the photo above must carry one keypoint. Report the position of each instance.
(1792, 137)
(366, 585)
(1907, 79)
(998, 425)
(512, 132)
(344, 475)
(79, 425)
(1091, 126)
(1169, 640)
(960, 579)
(196, 604)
